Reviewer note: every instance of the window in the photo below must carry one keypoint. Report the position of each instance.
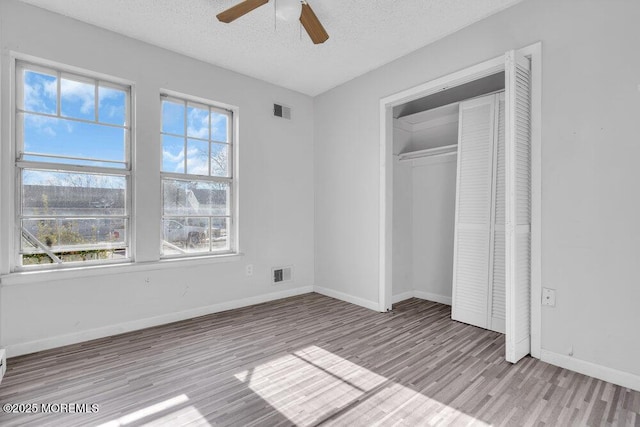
(197, 178)
(73, 168)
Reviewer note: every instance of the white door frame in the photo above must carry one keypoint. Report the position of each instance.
(492, 66)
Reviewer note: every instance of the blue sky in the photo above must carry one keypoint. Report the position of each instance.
(197, 135)
(59, 136)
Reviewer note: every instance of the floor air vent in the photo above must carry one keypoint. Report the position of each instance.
(281, 274)
(282, 111)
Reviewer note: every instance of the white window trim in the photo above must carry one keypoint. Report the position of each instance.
(37, 276)
(17, 63)
(233, 180)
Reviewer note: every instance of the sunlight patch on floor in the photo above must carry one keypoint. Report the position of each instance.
(313, 385)
(182, 417)
(176, 417)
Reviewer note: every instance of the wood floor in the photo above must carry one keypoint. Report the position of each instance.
(309, 360)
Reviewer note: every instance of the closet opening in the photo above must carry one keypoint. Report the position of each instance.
(446, 213)
(425, 145)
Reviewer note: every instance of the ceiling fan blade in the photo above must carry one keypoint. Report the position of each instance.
(239, 10)
(310, 22)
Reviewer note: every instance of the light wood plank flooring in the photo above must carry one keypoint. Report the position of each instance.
(310, 360)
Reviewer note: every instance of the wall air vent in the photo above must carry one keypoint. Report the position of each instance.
(282, 111)
(281, 274)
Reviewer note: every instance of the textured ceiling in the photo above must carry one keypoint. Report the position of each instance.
(364, 34)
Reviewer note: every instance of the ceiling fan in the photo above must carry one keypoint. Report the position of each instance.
(308, 18)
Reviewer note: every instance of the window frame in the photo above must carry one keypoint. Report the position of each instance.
(20, 164)
(231, 179)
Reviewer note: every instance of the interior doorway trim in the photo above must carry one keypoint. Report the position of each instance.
(492, 66)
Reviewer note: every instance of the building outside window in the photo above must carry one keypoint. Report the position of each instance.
(197, 178)
(73, 145)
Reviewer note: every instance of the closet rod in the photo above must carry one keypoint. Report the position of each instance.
(429, 152)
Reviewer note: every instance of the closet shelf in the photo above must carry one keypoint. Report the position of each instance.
(430, 152)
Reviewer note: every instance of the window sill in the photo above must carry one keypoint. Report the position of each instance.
(39, 276)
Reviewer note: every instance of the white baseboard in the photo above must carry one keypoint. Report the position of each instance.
(372, 305)
(442, 299)
(600, 372)
(403, 296)
(77, 337)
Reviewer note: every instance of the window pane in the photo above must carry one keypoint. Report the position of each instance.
(77, 99)
(47, 193)
(71, 214)
(40, 92)
(198, 122)
(112, 106)
(218, 199)
(182, 198)
(197, 157)
(177, 198)
(219, 127)
(220, 234)
(73, 239)
(172, 117)
(60, 137)
(62, 233)
(185, 235)
(197, 200)
(219, 160)
(172, 154)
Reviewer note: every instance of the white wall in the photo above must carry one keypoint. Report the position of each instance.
(434, 202)
(590, 106)
(435, 136)
(276, 193)
(402, 257)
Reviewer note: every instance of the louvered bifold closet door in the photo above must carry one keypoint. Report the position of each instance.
(518, 206)
(473, 211)
(497, 310)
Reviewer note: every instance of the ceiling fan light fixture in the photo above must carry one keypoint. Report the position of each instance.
(288, 10)
(284, 9)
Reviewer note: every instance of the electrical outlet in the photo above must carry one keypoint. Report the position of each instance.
(249, 269)
(549, 297)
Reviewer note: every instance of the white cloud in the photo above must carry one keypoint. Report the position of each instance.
(219, 123)
(198, 123)
(197, 162)
(110, 111)
(47, 125)
(217, 119)
(106, 94)
(49, 131)
(40, 92)
(43, 90)
(51, 88)
(173, 158)
(74, 91)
